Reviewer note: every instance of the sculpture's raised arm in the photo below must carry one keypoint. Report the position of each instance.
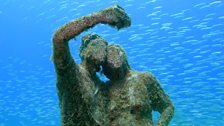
(113, 16)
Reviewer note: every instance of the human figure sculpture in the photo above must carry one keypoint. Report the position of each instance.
(133, 95)
(77, 84)
(127, 99)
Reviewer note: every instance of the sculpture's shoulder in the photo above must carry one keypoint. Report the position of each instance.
(143, 76)
(142, 79)
(136, 79)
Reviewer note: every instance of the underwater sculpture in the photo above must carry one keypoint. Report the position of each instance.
(76, 84)
(127, 99)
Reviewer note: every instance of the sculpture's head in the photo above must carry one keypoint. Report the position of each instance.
(93, 50)
(116, 64)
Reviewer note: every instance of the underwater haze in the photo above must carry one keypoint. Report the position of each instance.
(180, 41)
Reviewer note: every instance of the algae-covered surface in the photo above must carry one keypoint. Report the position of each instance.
(180, 42)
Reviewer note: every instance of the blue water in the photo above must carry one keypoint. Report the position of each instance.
(180, 41)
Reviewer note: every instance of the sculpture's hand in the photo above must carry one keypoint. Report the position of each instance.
(116, 17)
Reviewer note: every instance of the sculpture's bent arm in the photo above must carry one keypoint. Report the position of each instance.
(113, 16)
(160, 102)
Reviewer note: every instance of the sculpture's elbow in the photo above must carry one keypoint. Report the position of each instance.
(169, 112)
(57, 37)
(172, 109)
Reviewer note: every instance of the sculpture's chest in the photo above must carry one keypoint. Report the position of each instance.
(129, 94)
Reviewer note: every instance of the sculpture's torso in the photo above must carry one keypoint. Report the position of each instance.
(129, 102)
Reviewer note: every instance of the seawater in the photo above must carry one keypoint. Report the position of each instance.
(180, 41)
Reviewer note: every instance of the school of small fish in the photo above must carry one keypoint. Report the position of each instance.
(180, 42)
